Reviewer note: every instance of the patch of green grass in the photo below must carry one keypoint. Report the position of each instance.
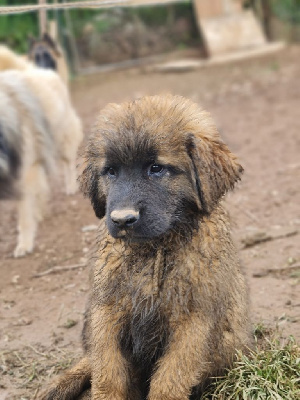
(274, 66)
(262, 332)
(70, 323)
(272, 372)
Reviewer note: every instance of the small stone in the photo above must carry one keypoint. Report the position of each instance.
(23, 322)
(89, 228)
(15, 279)
(260, 274)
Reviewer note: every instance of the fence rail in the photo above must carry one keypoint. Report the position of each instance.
(83, 4)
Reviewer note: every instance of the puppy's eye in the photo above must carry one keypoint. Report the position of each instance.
(111, 172)
(155, 169)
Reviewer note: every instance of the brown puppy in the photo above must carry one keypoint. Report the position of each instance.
(169, 303)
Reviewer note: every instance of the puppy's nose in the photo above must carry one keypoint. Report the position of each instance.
(125, 217)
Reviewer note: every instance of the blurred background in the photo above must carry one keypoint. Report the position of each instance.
(95, 37)
(240, 60)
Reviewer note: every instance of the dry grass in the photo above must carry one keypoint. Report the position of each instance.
(28, 369)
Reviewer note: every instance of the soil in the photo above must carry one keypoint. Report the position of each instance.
(256, 105)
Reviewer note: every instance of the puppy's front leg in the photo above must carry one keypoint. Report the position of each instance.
(184, 365)
(112, 374)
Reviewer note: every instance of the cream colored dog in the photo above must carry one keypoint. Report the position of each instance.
(10, 60)
(38, 127)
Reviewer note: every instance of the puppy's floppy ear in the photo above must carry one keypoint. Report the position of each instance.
(91, 187)
(215, 169)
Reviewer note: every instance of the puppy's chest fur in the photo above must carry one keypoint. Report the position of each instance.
(144, 333)
(137, 285)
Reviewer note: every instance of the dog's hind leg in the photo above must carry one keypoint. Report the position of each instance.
(26, 226)
(70, 138)
(71, 386)
(30, 207)
(41, 195)
(70, 176)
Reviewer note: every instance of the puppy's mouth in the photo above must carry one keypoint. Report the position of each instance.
(130, 236)
(121, 234)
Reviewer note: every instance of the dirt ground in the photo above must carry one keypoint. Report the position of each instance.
(256, 104)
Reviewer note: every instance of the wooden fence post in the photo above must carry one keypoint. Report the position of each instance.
(42, 18)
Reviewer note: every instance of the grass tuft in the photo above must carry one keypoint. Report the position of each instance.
(272, 372)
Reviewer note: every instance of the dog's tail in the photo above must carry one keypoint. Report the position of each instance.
(74, 384)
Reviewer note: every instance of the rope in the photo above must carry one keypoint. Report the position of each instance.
(82, 4)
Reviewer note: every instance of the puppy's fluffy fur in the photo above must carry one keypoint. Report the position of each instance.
(168, 307)
(38, 127)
